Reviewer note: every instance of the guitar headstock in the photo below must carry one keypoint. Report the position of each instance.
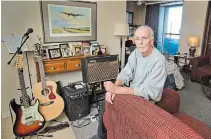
(38, 49)
(19, 61)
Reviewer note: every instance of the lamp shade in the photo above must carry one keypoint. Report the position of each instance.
(193, 41)
(121, 29)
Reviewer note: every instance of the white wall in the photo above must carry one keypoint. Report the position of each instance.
(17, 17)
(193, 21)
(139, 12)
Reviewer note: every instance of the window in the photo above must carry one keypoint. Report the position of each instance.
(170, 18)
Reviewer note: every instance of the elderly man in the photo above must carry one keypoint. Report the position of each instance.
(145, 69)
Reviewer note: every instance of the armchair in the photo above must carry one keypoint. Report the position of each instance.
(200, 66)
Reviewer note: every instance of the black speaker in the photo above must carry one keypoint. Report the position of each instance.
(76, 102)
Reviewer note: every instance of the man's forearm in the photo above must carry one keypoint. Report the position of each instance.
(118, 82)
(123, 90)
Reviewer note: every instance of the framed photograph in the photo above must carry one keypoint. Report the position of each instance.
(54, 46)
(95, 48)
(129, 17)
(77, 50)
(68, 21)
(84, 44)
(54, 53)
(65, 50)
(64, 45)
(103, 51)
(45, 54)
(86, 50)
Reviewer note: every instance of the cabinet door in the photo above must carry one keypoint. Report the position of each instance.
(73, 64)
(54, 67)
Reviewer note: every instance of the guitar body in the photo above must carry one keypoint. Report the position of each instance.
(51, 104)
(28, 120)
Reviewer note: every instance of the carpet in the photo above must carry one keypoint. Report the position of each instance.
(195, 103)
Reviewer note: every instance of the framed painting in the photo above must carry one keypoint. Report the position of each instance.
(69, 21)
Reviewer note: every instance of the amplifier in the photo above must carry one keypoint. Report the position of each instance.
(99, 68)
(76, 102)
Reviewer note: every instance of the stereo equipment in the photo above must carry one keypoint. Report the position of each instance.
(99, 68)
(76, 102)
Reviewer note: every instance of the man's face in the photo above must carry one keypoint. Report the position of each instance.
(143, 40)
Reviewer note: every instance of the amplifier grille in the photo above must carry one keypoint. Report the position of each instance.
(102, 71)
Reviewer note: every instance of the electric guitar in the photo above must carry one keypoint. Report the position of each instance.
(51, 104)
(28, 119)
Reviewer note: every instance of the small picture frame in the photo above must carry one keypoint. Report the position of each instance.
(65, 50)
(77, 50)
(95, 48)
(103, 51)
(54, 53)
(45, 54)
(54, 46)
(64, 45)
(85, 44)
(86, 50)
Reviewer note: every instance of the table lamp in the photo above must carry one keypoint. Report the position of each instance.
(193, 41)
(121, 30)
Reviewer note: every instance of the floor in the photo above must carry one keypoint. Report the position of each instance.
(7, 132)
(195, 103)
(87, 131)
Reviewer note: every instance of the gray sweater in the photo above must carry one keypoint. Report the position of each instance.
(147, 74)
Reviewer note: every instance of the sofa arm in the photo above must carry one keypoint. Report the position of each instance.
(134, 117)
(170, 101)
(197, 62)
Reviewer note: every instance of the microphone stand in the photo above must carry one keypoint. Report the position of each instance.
(18, 50)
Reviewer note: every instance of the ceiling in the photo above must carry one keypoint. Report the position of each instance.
(148, 2)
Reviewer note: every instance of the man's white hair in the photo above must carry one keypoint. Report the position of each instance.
(150, 29)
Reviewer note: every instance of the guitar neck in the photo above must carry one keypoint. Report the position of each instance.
(25, 98)
(42, 72)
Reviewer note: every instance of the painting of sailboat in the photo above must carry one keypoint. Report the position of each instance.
(69, 20)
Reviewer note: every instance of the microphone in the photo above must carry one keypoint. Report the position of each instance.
(30, 30)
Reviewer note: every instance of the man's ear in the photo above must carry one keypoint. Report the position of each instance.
(152, 42)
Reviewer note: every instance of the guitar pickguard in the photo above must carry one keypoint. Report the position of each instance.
(31, 114)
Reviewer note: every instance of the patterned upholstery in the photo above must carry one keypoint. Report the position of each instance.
(202, 129)
(132, 117)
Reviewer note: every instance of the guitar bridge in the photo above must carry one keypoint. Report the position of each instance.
(47, 103)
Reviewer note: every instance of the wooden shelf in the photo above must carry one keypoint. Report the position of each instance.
(54, 66)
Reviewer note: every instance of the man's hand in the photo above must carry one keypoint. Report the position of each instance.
(110, 87)
(109, 97)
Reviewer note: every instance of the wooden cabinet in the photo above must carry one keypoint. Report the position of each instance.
(55, 66)
(73, 64)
